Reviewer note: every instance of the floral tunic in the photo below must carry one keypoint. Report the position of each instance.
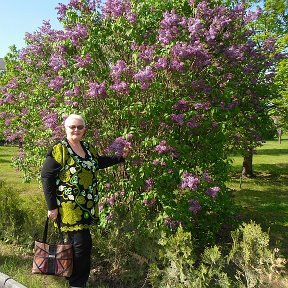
(69, 183)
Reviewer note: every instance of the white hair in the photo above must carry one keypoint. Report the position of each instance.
(74, 116)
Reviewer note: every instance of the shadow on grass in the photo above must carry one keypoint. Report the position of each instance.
(3, 160)
(264, 199)
(273, 152)
(271, 215)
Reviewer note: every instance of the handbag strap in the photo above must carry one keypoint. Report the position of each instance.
(45, 233)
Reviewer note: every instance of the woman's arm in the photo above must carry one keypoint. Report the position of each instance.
(49, 172)
(107, 161)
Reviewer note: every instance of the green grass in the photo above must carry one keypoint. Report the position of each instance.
(11, 175)
(264, 198)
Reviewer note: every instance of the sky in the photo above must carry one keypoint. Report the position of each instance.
(21, 16)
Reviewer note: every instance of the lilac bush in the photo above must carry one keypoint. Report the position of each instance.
(184, 78)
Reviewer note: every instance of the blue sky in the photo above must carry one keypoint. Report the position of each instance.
(21, 16)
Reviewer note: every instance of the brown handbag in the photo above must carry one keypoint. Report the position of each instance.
(52, 259)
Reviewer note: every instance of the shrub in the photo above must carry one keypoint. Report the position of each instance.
(20, 219)
(255, 263)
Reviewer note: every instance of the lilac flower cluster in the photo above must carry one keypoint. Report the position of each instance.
(169, 27)
(189, 181)
(150, 202)
(96, 90)
(149, 184)
(207, 177)
(146, 53)
(213, 191)
(161, 63)
(194, 122)
(76, 34)
(117, 71)
(49, 119)
(118, 8)
(12, 84)
(57, 62)
(162, 147)
(74, 92)
(57, 83)
(194, 206)
(178, 118)
(83, 61)
(182, 105)
(119, 146)
(173, 224)
(145, 77)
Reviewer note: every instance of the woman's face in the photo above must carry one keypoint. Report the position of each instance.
(75, 130)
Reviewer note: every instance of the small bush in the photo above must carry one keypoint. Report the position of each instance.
(255, 263)
(20, 220)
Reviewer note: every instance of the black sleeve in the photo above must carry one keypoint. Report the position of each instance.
(107, 161)
(49, 173)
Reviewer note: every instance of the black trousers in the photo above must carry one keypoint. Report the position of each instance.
(82, 246)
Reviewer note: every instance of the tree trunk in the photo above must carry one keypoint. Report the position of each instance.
(247, 168)
(279, 132)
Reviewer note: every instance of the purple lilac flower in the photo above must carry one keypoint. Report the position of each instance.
(177, 65)
(57, 83)
(96, 89)
(189, 181)
(145, 76)
(182, 105)
(161, 63)
(77, 33)
(119, 145)
(195, 27)
(173, 224)
(117, 8)
(121, 87)
(61, 11)
(194, 206)
(57, 62)
(213, 191)
(178, 118)
(163, 147)
(117, 69)
(146, 53)
(207, 177)
(83, 61)
(194, 122)
(168, 27)
(50, 120)
(149, 202)
(149, 183)
(12, 84)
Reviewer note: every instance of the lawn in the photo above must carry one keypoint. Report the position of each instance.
(264, 198)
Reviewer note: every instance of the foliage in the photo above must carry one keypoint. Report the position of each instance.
(178, 264)
(256, 263)
(18, 224)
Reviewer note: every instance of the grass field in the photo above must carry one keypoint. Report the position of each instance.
(263, 199)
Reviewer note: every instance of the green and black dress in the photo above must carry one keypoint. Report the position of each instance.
(70, 183)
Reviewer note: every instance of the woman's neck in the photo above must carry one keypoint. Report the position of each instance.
(75, 143)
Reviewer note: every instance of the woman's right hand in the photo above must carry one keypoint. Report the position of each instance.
(53, 214)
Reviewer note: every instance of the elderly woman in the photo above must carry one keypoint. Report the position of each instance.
(70, 187)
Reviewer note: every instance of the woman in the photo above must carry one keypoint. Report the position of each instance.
(70, 188)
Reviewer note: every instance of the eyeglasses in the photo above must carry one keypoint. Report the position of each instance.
(79, 127)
